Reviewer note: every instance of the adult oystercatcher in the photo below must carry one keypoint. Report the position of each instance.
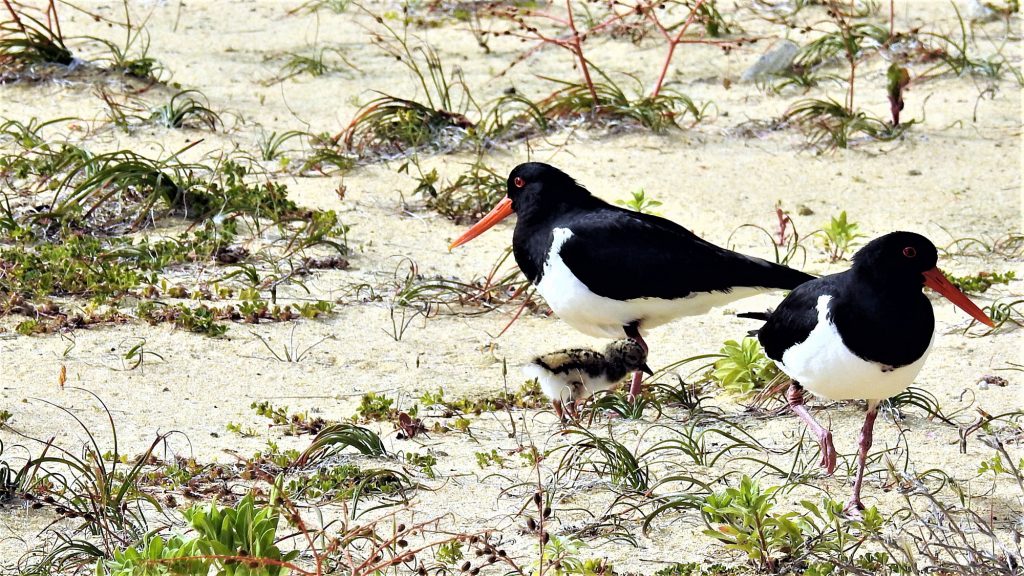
(860, 334)
(608, 271)
(571, 376)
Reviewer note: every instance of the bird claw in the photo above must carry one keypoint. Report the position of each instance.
(828, 452)
(853, 509)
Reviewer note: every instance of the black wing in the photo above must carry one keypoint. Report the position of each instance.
(622, 255)
(794, 318)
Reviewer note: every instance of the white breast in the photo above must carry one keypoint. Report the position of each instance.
(599, 316)
(560, 386)
(826, 367)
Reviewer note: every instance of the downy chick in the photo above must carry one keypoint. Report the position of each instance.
(571, 376)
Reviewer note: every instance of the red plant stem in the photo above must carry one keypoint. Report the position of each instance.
(672, 43)
(578, 48)
(14, 15)
(56, 19)
(518, 312)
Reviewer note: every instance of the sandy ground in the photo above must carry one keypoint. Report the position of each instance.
(956, 174)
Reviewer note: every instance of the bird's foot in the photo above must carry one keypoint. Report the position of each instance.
(635, 389)
(557, 405)
(854, 508)
(828, 451)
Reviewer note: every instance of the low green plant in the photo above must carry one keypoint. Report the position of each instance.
(609, 105)
(26, 40)
(391, 126)
(839, 236)
(742, 518)
(336, 437)
(982, 281)
(561, 557)
(743, 367)
(373, 406)
(343, 482)
(819, 539)
(271, 145)
(830, 124)
(697, 569)
(184, 109)
(640, 203)
(465, 199)
(201, 319)
(492, 458)
(315, 62)
(423, 462)
(97, 491)
(605, 456)
(157, 556)
(243, 532)
(450, 552)
(955, 54)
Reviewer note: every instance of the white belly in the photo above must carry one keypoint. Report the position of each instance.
(599, 316)
(562, 387)
(826, 367)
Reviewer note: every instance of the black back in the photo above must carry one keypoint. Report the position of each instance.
(622, 254)
(877, 306)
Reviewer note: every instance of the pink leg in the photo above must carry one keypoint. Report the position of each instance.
(795, 397)
(633, 331)
(557, 405)
(573, 409)
(855, 505)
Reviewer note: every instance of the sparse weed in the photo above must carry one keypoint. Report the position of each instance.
(374, 406)
(956, 56)
(606, 104)
(270, 145)
(423, 462)
(27, 41)
(290, 352)
(981, 282)
(492, 458)
(830, 124)
(184, 109)
(786, 241)
(743, 367)
(465, 199)
(839, 235)
(742, 518)
(337, 437)
(389, 126)
(314, 63)
(640, 203)
(1006, 313)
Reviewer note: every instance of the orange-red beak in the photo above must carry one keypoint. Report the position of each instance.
(497, 214)
(936, 280)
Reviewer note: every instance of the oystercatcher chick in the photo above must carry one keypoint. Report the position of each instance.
(860, 334)
(609, 271)
(571, 376)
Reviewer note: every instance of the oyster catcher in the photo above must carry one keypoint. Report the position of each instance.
(571, 376)
(609, 271)
(860, 334)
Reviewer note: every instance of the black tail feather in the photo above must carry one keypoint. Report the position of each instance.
(762, 316)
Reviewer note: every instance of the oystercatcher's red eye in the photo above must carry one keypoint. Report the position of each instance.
(518, 182)
(909, 252)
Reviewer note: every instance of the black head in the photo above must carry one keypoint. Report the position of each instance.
(897, 257)
(538, 186)
(629, 354)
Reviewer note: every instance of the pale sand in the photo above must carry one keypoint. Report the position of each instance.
(967, 181)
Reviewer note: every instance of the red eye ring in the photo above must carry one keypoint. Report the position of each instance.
(518, 182)
(909, 252)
